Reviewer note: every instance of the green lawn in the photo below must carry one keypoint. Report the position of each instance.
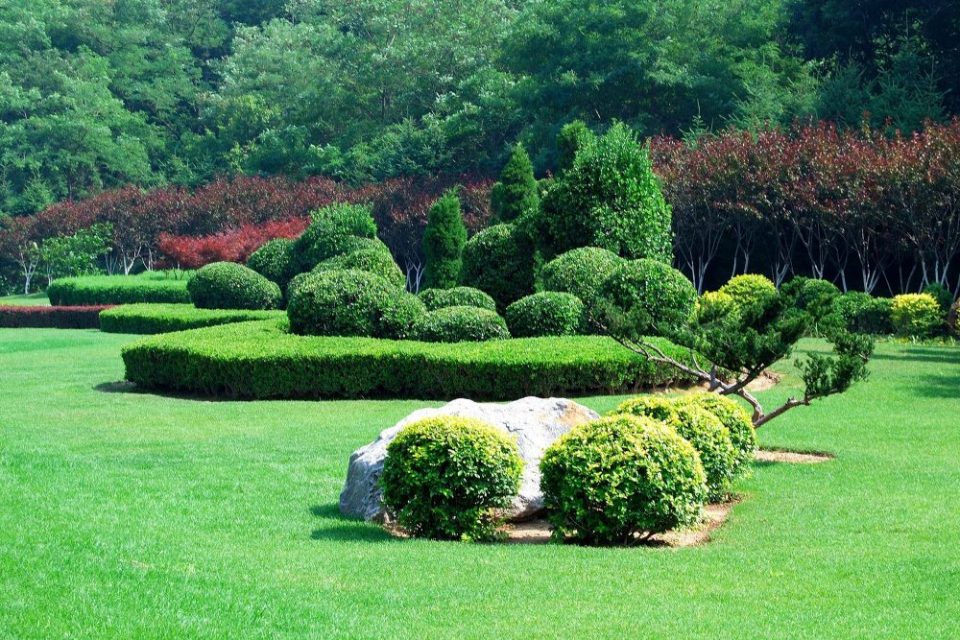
(30, 300)
(126, 515)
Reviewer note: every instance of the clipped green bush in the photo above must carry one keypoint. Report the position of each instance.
(449, 478)
(228, 285)
(735, 418)
(274, 261)
(263, 360)
(916, 315)
(581, 272)
(941, 294)
(102, 290)
(343, 303)
(614, 479)
(516, 194)
(443, 241)
(370, 260)
(814, 296)
(500, 261)
(334, 231)
(750, 289)
(860, 312)
(146, 319)
(640, 296)
(461, 324)
(953, 319)
(656, 407)
(457, 297)
(713, 306)
(549, 313)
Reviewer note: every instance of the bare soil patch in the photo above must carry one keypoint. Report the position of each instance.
(791, 457)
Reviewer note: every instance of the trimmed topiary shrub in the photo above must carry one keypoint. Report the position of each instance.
(44, 317)
(549, 313)
(609, 198)
(109, 290)
(500, 261)
(443, 242)
(735, 418)
(656, 407)
(334, 231)
(449, 477)
(370, 260)
(516, 194)
(814, 296)
(228, 285)
(614, 479)
(581, 272)
(457, 297)
(953, 319)
(916, 315)
(401, 317)
(461, 324)
(860, 312)
(274, 261)
(714, 305)
(749, 289)
(941, 294)
(642, 295)
(146, 319)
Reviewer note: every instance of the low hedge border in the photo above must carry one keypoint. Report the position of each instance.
(261, 360)
(43, 317)
(111, 290)
(147, 319)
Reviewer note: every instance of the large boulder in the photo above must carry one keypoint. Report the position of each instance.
(535, 423)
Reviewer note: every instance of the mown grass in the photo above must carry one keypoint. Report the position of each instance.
(127, 515)
(39, 298)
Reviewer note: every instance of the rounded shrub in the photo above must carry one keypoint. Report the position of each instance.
(457, 297)
(656, 407)
(749, 289)
(500, 261)
(274, 261)
(812, 295)
(461, 324)
(228, 285)
(714, 305)
(370, 260)
(401, 317)
(941, 294)
(342, 303)
(643, 295)
(580, 272)
(953, 319)
(860, 312)
(334, 231)
(610, 480)
(734, 417)
(916, 315)
(549, 313)
(449, 477)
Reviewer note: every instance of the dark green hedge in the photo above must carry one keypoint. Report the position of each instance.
(99, 290)
(148, 319)
(263, 360)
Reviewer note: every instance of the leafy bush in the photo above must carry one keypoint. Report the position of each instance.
(734, 417)
(274, 261)
(655, 407)
(580, 272)
(516, 194)
(610, 480)
(461, 324)
(609, 198)
(262, 360)
(953, 319)
(457, 297)
(334, 231)
(714, 305)
(343, 303)
(941, 294)
(448, 477)
(500, 261)
(443, 241)
(814, 296)
(917, 315)
(641, 296)
(110, 290)
(43, 317)
(227, 285)
(860, 312)
(749, 289)
(373, 261)
(549, 313)
(146, 319)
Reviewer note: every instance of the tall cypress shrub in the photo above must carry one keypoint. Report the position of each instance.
(443, 242)
(516, 193)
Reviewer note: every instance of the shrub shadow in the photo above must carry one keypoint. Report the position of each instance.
(944, 355)
(339, 528)
(945, 386)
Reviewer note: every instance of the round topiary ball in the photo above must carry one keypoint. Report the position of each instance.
(461, 324)
(457, 297)
(228, 285)
(500, 261)
(860, 312)
(274, 261)
(370, 260)
(341, 303)
(580, 272)
(549, 313)
(917, 315)
(448, 478)
(656, 407)
(644, 296)
(400, 319)
(614, 479)
(735, 418)
(334, 231)
(713, 306)
(750, 289)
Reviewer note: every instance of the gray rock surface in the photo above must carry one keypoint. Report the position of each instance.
(535, 423)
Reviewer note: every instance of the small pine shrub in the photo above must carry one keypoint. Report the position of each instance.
(448, 478)
(549, 313)
(916, 315)
(750, 289)
(516, 194)
(457, 297)
(641, 296)
(500, 261)
(274, 261)
(227, 285)
(443, 242)
(461, 324)
(614, 479)
(580, 272)
(342, 303)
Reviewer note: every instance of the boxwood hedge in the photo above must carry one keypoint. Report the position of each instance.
(101, 290)
(148, 319)
(259, 360)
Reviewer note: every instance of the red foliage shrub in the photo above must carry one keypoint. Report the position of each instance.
(234, 245)
(37, 317)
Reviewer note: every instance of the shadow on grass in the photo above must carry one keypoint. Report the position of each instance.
(939, 386)
(339, 528)
(944, 355)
